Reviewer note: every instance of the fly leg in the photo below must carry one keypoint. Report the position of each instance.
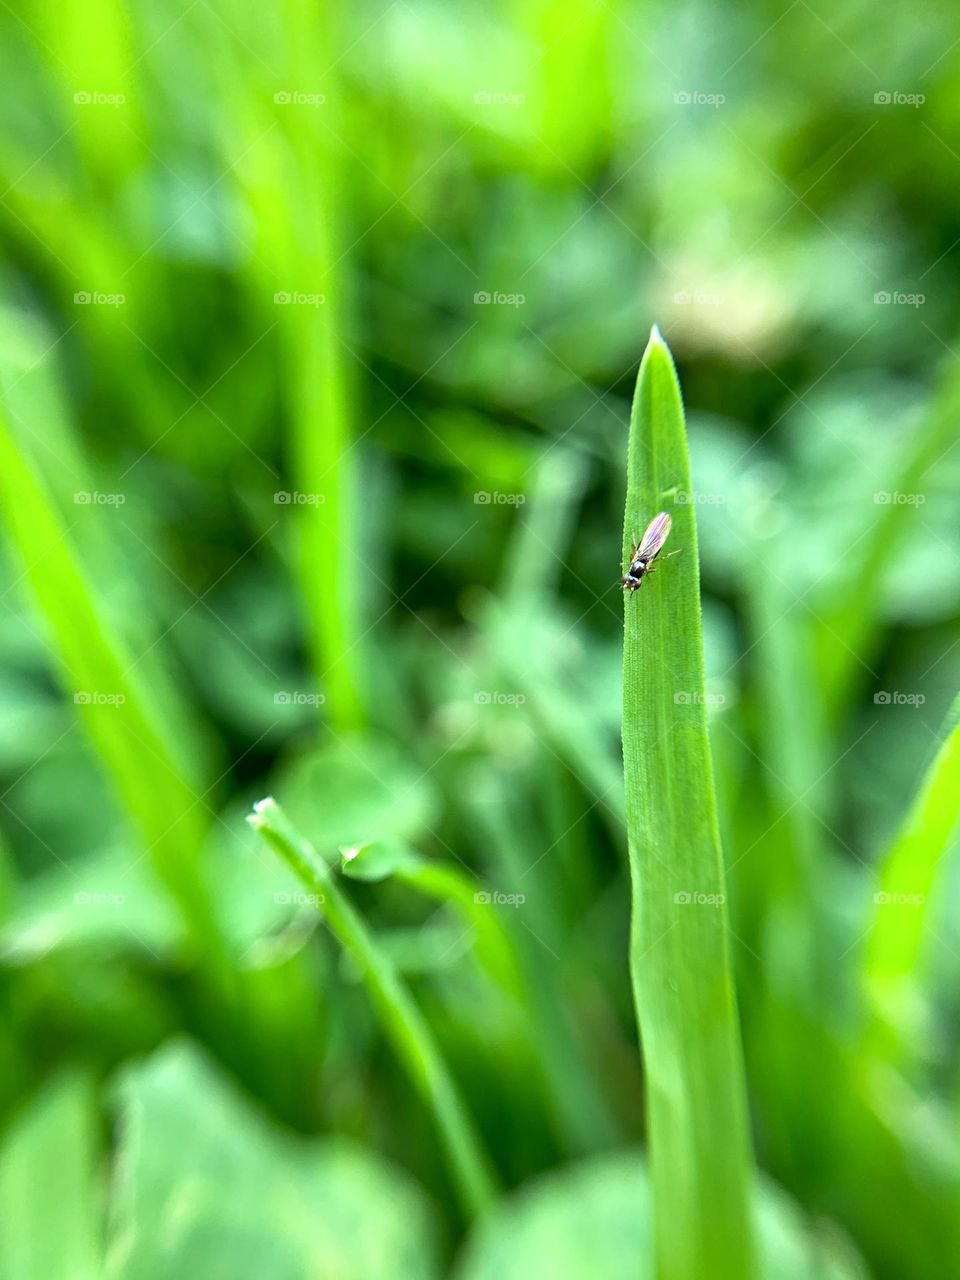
(652, 568)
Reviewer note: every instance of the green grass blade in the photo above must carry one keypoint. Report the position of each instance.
(790, 772)
(41, 422)
(402, 1020)
(851, 628)
(50, 1191)
(907, 881)
(680, 964)
(447, 884)
(544, 529)
(320, 361)
(163, 802)
(581, 1110)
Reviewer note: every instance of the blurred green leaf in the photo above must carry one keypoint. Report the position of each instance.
(592, 1219)
(910, 873)
(49, 1188)
(595, 1219)
(101, 677)
(206, 1187)
(357, 790)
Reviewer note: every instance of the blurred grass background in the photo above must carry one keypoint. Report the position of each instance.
(319, 328)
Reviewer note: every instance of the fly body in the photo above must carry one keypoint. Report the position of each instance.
(646, 551)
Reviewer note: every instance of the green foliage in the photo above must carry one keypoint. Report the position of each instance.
(911, 888)
(113, 703)
(318, 332)
(206, 1187)
(596, 1219)
(49, 1188)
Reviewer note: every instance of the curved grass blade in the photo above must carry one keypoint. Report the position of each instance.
(908, 875)
(680, 964)
(851, 629)
(161, 798)
(447, 884)
(402, 1020)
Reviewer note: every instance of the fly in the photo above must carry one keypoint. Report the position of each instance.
(646, 551)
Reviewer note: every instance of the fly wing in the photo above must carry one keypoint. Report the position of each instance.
(654, 537)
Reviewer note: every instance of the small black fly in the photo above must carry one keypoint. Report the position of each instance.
(646, 551)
